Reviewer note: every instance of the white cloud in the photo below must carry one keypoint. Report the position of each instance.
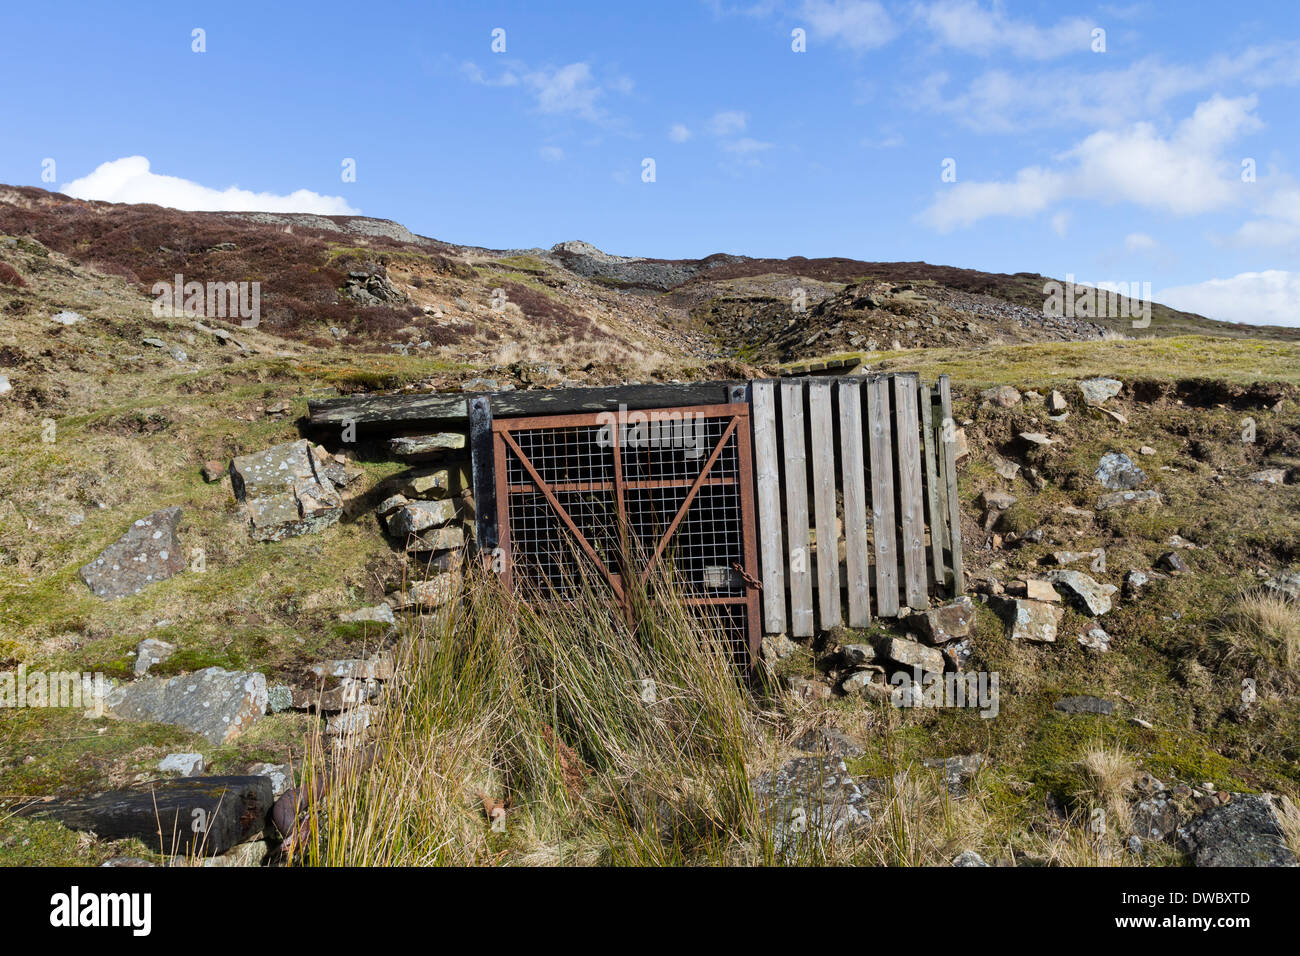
(1182, 174)
(727, 122)
(570, 89)
(130, 180)
(1061, 224)
(1139, 242)
(1280, 225)
(965, 25)
(1259, 298)
(858, 24)
(746, 145)
(552, 154)
(964, 204)
(1002, 100)
(678, 133)
(476, 75)
(891, 141)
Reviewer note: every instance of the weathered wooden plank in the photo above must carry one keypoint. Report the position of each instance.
(388, 412)
(796, 508)
(199, 816)
(483, 462)
(822, 431)
(767, 471)
(941, 491)
(380, 413)
(934, 511)
(854, 485)
(907, 440)
(882, 496)
(948, 439)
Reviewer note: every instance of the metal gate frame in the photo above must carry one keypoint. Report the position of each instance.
(505, 446)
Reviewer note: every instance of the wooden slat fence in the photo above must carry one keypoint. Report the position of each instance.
(857, 498)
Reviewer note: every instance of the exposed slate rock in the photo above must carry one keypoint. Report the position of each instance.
(147, 553)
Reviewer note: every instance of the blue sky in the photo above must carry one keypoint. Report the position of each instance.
(1117, 166)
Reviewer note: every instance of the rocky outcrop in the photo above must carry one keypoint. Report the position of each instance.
(1246, 831)
(285, 491)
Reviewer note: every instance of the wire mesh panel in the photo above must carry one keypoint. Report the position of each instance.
(633, 492)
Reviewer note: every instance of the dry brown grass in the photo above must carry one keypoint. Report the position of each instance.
(1108, 773)
(1289, 815)
(1271, 623)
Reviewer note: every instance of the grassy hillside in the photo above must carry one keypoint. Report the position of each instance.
(596, 776)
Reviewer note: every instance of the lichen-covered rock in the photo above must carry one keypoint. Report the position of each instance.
(1099, 390)
(376, 667)
(148, 552)
(285, 491)
(1004, 396)
(437, 539)
(912, 654)
(280, 775)
(435, 484)
(427, 595)
(1118, 499)
(1155, 817)
(809, 802)
(957, 771)
(380, 614)
(776, 647)
(217, 703)
(149, 652)
(1118, 472)
(1088, 595)
(1286, 585)
(418, 516)
(187, 765)
(1033, 621)
(829, 741)
(946, 623)
(1246, 831)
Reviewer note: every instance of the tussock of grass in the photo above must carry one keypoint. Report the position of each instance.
(545, 709)
(1257, 636)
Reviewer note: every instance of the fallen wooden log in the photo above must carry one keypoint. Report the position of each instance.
(201, 816)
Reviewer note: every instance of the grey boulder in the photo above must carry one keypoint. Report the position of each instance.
(148, 552)
(285, 491)
(1246, 831)
(216, 703)
(1117, 472)
(1085, 593)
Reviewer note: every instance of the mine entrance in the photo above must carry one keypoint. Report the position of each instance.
(632, 490)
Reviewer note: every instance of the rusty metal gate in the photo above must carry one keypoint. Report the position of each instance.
(632, 490)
